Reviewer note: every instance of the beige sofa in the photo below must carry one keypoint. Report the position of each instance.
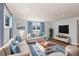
(72, 50)
(31, 39)
(24, 49)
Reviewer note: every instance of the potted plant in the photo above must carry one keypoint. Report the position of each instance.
(50, 33)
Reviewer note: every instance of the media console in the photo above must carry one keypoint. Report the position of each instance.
(67, 40)
(61, 43)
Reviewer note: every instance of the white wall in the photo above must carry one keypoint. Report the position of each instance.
(26, 27)
(72, 22)
(6, 35)
(6, 29)
(14, 26)
(77, 31)
(48, 25)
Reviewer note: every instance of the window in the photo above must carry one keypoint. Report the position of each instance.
(7, 20)
(36, 26)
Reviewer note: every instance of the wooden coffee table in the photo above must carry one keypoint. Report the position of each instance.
(45, 46)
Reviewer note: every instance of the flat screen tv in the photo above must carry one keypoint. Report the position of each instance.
(64, 29)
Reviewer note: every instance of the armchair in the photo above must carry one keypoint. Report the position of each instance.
(72, 50)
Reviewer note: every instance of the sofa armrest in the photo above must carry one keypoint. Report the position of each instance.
(21, 54)
(72, 50)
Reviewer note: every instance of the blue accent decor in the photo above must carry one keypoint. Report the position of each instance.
(32, 50)
(29, 27)
(14, 48)
(41, 34)
(59, 48)
(32, 35)
(42, 27)
(18, 39)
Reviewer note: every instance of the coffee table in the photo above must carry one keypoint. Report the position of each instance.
(46, 46)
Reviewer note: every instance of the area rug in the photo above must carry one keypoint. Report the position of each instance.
(35, 50)
(38, 51)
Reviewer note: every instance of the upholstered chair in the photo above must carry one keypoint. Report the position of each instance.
(72, 50)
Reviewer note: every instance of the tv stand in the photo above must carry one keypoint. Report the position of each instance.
(67, 40)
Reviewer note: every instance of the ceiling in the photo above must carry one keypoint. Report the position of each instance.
(44, 11)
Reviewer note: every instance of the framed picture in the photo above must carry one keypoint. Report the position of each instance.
(21, 27)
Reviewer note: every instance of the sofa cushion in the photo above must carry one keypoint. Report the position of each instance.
(24, 47)
(21, 54)
(14, 48)
(7, 49)
(2, 53)
(22, 34)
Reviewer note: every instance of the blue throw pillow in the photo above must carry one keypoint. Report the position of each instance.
(14, 48)
(18, 39)
(32, 35)
(60, 48)
(41, 34)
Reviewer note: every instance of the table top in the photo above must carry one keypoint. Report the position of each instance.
(45, 43)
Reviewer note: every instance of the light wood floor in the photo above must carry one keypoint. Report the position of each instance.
(62, 44)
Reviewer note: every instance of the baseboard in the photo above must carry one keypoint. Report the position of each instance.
(74, 43)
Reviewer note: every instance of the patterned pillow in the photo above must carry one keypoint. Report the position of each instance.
(18, 39)
(14, 48)
(32, 35)
(41, 34)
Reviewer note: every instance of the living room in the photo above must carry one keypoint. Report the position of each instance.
(39, 29)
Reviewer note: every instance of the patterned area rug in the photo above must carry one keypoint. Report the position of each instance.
(37, 51)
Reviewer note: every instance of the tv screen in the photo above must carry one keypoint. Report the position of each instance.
(64, 29)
